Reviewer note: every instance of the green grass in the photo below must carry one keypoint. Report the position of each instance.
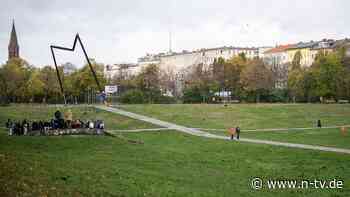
(45, 112)
(166, 164)
(262, 116)
(323, 137)
(248, 116)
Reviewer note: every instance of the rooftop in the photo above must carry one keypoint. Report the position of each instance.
(280, 48)
(155, 56)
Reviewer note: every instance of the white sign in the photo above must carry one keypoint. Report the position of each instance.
(111, 89)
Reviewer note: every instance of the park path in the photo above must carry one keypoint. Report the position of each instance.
(197, 132)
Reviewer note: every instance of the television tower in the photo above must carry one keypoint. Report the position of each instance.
(170, 51)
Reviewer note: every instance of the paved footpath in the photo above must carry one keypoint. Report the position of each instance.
(138, 130)
(281, 129)
(197, 132)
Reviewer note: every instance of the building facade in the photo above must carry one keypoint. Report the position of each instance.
(280, 58)
(181, 63)
(184, 59)
(309, 51)
(121, 71)
(277, 59)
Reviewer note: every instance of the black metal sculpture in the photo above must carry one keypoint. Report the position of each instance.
(77, 38)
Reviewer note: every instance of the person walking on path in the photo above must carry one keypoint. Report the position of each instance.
(319, 125)
(238, 131)
(103, 97)
(232, 132)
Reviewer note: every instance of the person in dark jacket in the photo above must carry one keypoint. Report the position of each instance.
(58, 115)
(8, 123)
(17, 128)
(238, 131)
(34, 126)
(41, 127)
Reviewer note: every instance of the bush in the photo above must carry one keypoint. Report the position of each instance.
(133, 97)
(192, 95)
(165, 100)
(140, 97)
(278, 95)
(4, 101)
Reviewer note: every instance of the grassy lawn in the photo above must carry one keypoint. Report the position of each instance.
(324, 137)
(248, 116)
(43, 112)
(262, 116)
(166, 164)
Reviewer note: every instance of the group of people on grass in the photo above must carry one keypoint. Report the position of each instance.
(59, 125)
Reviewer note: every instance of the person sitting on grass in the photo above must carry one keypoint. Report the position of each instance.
(8, 123)
(34, 126)
(10, 128)
(91, 125)
(25, 127)
(47, 126)
(74, 124)
(68, 117)
(21, 128)
(97, 124)
(87, 124)
(101, 127)
(59, 119)
(17, 128)
(55, 124)
(81, 124)
(58, 115)
(41, 127)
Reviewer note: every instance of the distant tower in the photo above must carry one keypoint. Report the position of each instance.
(13, 45)
(170, 51)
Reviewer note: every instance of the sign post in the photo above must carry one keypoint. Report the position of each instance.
(111, 89)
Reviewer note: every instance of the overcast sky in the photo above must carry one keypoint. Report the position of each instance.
(115, 31)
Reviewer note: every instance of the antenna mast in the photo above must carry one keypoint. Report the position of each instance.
(170, 51)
